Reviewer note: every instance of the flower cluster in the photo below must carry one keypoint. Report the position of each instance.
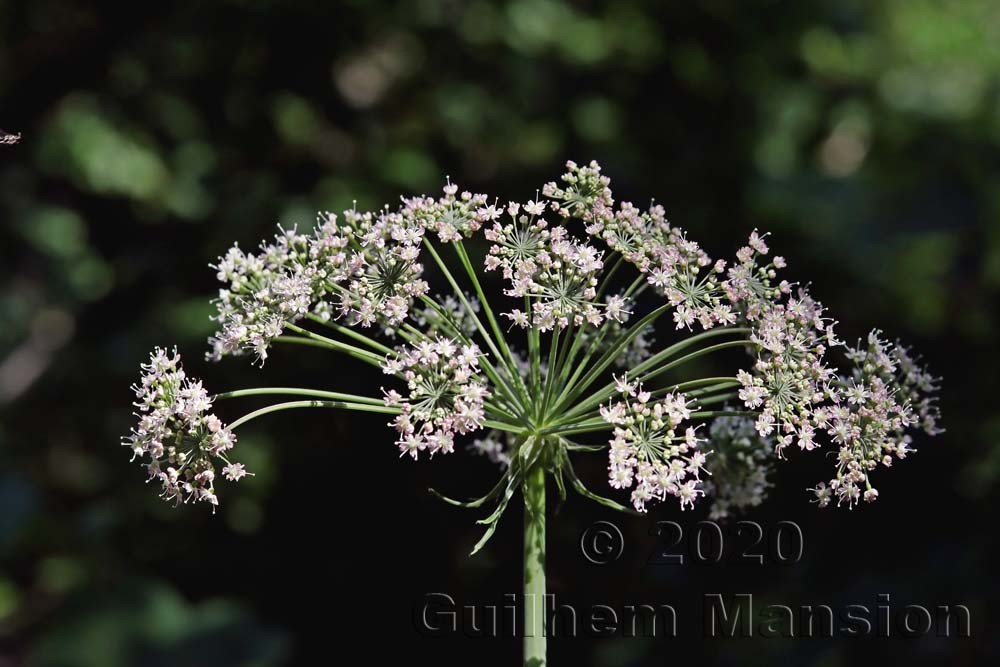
(446, 395)
(915, 384)
(452, 217)
(362, 266)
(383, 276)
(647, 449)
(585, 193)
(176, 430)
(676, 267)
(887, 394)
(790, 378)
(549, 266)
(264, 291)
(565, 288)
(750, 284)
(738, 467)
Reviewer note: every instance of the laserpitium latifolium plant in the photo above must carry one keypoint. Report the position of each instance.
(570, 350)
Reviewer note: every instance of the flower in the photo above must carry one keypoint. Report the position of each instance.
(176, 430)
(887, 394)
(234, 472)
(648, 451)
(446, 394)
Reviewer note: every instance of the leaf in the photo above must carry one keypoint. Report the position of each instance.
(587, 493)
(493, 520)
(484, 539)
(577, 447)
(560, 484)
(512, 484)
(478, 502)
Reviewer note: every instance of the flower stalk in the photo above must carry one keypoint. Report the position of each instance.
(535, 630)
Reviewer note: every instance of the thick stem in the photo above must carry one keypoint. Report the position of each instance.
(534, 567)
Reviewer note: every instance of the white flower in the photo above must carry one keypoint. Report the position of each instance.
(235, 472)
(559, 273)
(176, 431)
(451, 217)
(886, 394)
(446, 395)
(646, 448)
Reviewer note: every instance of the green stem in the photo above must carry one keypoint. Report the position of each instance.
(606, 281)
(721, 398)
(507, 362)
(724, 413)
(573, 389)
(351, 333)
(463, 256)
(335, 344)
(690, 384)
(313, 404)
(297, 391)
(590, 425)
(534, 567)
(309, 342)
(464, 301)
(534, 359)
(607, 390)
(346, 405)
(553, 369)
(649, 375)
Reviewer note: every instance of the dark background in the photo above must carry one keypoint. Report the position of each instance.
(864, 135)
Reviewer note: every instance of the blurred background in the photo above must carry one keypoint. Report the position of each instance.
(864, 135)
